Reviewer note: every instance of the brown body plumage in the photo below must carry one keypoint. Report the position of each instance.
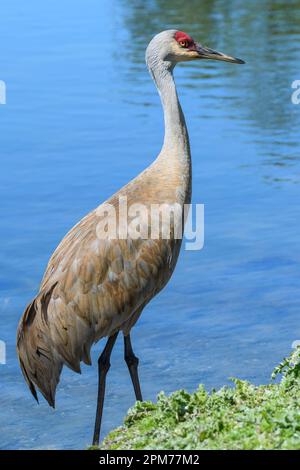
(92, 288)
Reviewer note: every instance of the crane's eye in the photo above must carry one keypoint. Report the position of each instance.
(184, 43)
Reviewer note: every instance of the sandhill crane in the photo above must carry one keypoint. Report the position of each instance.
(95, 286)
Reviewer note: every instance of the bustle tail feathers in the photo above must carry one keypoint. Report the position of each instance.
(40, 364)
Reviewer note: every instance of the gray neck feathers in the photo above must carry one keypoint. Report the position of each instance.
(176, 141)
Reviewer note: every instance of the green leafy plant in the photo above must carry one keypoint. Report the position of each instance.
(244, 416)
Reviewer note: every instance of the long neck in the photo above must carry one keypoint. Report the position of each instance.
(176, 140)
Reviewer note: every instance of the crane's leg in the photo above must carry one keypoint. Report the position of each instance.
(132, 363)
(103, 367)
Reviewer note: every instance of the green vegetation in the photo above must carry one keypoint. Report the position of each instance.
(240, 417)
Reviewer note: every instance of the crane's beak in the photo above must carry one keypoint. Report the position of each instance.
(206, 53)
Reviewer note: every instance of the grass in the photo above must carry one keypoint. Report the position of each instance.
(241, 417)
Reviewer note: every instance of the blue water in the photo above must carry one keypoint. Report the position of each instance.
(82, 118)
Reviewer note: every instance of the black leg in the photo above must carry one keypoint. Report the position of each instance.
(103, 367)
(132, 363)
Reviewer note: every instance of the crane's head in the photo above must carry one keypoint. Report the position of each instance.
(174, 46)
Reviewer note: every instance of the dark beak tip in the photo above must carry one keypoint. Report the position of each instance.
(239, 61)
